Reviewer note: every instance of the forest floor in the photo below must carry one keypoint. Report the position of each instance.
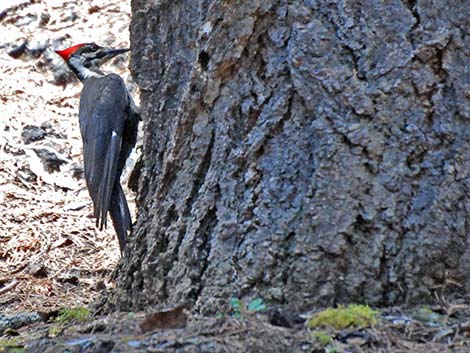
(51, 255)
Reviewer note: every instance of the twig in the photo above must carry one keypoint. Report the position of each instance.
(9, 287)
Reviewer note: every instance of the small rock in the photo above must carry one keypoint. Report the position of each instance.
(100, 286)
(77, 171)
(284, 319)
(94, 8)
(69, 16)
(36, 48)
(68, 278)
(18, 51)
(15, 321)
(38, 271)
(32, 133)
(50, 158)
(44, 18)
(25, 175)
(27, 19)
(47, 127)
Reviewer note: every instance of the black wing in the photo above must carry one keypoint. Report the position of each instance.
(103, 113)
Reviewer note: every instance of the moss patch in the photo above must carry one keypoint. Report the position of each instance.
(11, 346)
(323, 337)
(73, 315)
(342, 317)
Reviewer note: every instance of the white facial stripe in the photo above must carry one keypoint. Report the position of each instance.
(84, 72)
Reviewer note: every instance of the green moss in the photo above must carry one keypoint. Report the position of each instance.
(12, 342)
(13, 345)
(428, 316)
(76, 314)
(54, 331)
(323, 337)
(342, 317)
(16, 350)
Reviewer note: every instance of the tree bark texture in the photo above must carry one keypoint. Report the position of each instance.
(304, 152)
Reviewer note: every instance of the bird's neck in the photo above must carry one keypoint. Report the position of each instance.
(82, 71)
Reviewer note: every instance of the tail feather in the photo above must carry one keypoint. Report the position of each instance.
(106, 186)
(120, 215)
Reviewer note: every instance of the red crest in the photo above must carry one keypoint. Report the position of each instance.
(66, 53)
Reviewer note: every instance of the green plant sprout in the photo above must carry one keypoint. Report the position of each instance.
(240, 309)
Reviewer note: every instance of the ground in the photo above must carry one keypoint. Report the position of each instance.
(52, 257)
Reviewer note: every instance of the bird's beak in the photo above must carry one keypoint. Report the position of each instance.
(111, 53)
(106, 54)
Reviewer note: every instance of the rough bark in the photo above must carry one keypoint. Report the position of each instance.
(305, 152)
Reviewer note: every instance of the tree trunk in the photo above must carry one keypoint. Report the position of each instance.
(303, 152)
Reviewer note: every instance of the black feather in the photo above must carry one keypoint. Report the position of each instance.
(104, 116)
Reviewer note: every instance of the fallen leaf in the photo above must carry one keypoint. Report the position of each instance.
(173, 318)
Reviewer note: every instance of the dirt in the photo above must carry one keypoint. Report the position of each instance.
(51, 255)
(423, 329)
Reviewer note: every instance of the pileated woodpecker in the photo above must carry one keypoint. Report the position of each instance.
(108, 125)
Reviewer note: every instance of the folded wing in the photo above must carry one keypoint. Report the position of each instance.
(103, 114)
